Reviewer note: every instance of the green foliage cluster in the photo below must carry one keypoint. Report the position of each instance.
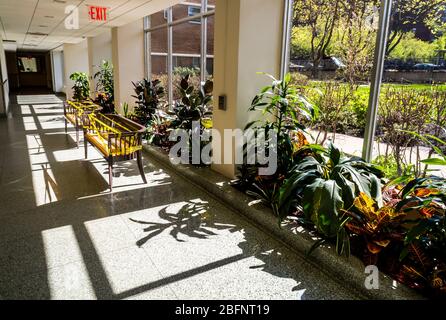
(149, 95)
(411, 48)
(105, 87)
(81, 87)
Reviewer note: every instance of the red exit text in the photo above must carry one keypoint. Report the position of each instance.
(97, 13)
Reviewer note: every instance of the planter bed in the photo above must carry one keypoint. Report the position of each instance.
(349, 272)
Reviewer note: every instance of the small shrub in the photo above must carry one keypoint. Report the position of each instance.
(149, 96)
(81, 87)
(402, 110)
(105, 87)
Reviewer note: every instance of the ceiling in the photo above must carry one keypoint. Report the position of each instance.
(40, 24)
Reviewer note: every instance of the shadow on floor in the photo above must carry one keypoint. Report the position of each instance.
(29, 255)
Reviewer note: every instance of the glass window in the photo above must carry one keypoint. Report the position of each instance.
(27, 64)
(158, 56)
(158, 18)
(332, 50)
(193, 11)
(210, 48)
(186, 53)
(413, 94)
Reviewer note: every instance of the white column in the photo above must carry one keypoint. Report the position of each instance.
(99, 49)
(75, 60)
(4, 84)
(248, 39)
(128, 60)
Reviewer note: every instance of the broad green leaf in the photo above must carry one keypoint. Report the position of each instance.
(322, 205)
(434, 162)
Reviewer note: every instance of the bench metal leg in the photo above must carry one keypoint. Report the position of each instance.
(140, 166)
(110, 173)
(85, 147)
(77, 137)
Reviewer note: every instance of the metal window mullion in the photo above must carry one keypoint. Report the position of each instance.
(147, 50)
(377, 74)
(287, 26)
(204, 24)
(169, 57)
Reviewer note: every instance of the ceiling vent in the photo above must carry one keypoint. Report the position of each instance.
(59, 1)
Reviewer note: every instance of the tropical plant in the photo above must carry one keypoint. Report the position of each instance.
(159, 129)
(424, 253)
(149, 96)
(105, 87)
(283, 106)
(378, 226)
(193, 103)
(325, 184)
(81, 87)
(193, 106)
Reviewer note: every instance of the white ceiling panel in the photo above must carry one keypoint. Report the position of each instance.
(40, 24)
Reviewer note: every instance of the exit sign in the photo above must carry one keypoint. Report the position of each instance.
(97, 13)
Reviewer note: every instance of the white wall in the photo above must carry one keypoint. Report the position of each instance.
(4, 86)
(58, 71)
(248, 38)
(99, 49)
(128, 60)
(75, 59)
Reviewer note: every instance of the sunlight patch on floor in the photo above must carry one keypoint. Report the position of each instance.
(68, 277)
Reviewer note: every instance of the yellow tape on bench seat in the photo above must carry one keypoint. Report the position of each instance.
(101, 138)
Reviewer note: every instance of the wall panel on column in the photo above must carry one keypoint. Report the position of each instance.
(75, 60)
(4, 85)
(128, 60)
(99, 49)
(248, 39)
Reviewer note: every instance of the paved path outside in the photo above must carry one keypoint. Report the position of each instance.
(64, 236)
(353, 146)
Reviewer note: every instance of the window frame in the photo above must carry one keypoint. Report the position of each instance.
(203, 16)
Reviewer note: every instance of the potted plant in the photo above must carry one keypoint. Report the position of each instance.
(105, 87)
(81, 87)
(149, 95)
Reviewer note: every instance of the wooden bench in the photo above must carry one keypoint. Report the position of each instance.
(77, 114)
(116, 138)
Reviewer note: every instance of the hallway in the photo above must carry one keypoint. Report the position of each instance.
(64, 236)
